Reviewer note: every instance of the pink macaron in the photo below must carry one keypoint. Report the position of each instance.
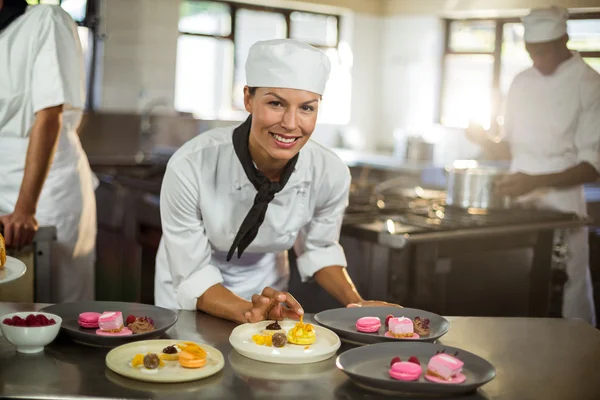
(405, 371)
(368, 324)
(88, 319)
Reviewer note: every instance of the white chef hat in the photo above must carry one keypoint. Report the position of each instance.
(545, 24)
(287, 63)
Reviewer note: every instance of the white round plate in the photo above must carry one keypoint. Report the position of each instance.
(13, 270)
(326, 345)
(118, 360)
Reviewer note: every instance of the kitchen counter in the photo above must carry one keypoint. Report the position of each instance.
(534, 359)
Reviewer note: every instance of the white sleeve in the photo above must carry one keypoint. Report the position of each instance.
(509, 115)
(587, 134)
(187, 248)
(318, 245)
(58, 73)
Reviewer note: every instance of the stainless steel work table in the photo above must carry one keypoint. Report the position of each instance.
(548, 359)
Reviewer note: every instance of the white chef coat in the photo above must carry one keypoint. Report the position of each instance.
(205, 197)
(552, 124)
(41, 66)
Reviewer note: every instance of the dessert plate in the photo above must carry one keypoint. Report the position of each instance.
(69, 312)
(118, 360)
(368, 367)
(343, 322)
(325, 346)
(13, 270)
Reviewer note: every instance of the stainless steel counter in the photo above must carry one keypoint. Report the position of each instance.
(548, 359)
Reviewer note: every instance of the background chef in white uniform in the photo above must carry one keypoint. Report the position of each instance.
(257, 189)
(552, 135)
(45, 177)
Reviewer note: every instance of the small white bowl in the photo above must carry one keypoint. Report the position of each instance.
(30, 339)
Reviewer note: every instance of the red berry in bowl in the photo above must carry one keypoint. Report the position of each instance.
(51, 321)
(395, 360)
(7, 321)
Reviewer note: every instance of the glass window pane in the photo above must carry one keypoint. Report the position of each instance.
(594, 63)
(584, 34)
(205, 17)
(250, 27)
(203, 75)
(315, 29)
(76, 8)
(85, 38)
(53, 2)
(336, 104)
(472, 36)
(467, 91)
(515, 58)
(33, 2)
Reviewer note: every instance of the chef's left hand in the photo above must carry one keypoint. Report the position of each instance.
(515, 185)
(373, 303)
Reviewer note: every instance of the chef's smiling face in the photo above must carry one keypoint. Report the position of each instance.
(282, 120)
(548, 56)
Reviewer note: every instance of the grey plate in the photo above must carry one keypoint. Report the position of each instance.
(369, 366)
(343, 322)
(69, 312)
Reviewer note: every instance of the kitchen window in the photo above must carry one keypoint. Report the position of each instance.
(482, 57)
(83, 13)
(214, 40)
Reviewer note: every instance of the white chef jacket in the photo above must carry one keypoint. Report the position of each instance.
(205, 197)
(41, 66)
(552, 124)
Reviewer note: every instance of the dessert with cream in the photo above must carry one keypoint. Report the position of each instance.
(272, 329)
(170, 353)
(401, 327)
(444, 368)
(191, 355)
(405, 370)
(140, 324)
(368, 324)
(302, 333)
(111, 324)
(421, 326)
(88, 320)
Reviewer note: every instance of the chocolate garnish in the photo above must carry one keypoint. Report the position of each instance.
(273, 327)
(170, 350)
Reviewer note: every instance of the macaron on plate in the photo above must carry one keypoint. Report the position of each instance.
(121, 361)
(85, 323)
(367, 325)
(401, 368)
(242, 339)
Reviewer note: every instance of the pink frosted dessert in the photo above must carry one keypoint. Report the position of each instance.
(401, 327)
(368, 324)
(122, 332)
(444, 366)
(111, 321)
(405, 371)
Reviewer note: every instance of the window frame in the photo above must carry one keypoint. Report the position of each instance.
(497, 54)
(234, 7)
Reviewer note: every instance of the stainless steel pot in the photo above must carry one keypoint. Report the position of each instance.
(473, 187)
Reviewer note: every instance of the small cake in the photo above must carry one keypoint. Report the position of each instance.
(191, 355)
(421, 326)
(405, 371)
(88, 320)
(141, 325)
(401, 327)
(170, 353)
(272, 329)
(302, 334)
(111, 321)
(279, 339)
(368, 324)
(444, 366)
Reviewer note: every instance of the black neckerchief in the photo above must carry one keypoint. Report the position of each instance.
(11, 10)
(266, 189)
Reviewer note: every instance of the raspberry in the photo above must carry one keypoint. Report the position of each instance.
(395, 360)
(20, 322)
(387, 320)
(130, 319)
(7, 321)
(31, 319)
(51, 321)
(17, 319)
(414, 360)
(42, 319)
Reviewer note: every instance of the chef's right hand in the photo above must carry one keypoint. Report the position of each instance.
(272, 304)
(19, 229)
(476, 134)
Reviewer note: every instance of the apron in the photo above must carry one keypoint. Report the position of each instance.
(67, 201)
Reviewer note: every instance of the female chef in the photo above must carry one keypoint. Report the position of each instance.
(234, 200)
(45, 176)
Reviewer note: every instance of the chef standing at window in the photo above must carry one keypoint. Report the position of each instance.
(552, 135)
(234, 200)
(45, 176)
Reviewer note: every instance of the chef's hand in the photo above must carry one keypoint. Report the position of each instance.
(373, 303)
(476, 134)
(515, 185)
(272, 304)
(19, 229)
